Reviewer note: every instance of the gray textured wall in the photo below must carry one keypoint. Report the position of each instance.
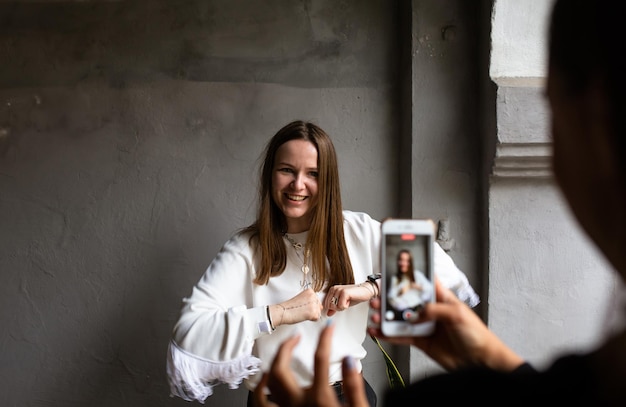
(447, 64)
(129, 139)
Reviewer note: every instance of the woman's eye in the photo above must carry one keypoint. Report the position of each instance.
(314, 174)
(287, 170)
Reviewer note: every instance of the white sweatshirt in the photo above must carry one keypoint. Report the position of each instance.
(217, 338)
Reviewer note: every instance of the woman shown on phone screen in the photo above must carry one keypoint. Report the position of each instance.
(409, 289)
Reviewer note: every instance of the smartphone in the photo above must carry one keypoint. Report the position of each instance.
(407, 275)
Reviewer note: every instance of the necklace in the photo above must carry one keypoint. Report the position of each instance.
(304, 283)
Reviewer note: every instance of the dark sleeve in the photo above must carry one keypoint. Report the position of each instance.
(459, 388)
(569, 381)
(524, 368)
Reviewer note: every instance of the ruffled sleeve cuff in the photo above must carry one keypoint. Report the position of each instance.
(467, 294)
(192, 378)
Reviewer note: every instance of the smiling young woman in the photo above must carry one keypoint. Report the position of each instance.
(303, 260)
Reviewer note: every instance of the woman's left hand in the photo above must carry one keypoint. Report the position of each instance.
(341, 297)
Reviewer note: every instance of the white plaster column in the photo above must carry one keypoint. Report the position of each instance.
(547, 284)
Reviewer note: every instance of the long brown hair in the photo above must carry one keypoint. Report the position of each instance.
(325, 239)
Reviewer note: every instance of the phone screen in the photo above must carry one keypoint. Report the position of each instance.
(408, 276)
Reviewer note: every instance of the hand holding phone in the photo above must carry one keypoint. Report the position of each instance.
(460, 340)
(407, 276)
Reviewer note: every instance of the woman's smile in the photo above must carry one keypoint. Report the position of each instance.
(296, 197)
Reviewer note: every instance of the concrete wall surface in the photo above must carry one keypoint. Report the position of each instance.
(549, 288)
(519, 38)
(448, 63)
(129, 139)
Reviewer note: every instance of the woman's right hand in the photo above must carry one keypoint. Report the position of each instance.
(305, 306)
(460, 339)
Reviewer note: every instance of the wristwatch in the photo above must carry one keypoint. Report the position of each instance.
(373, 277)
